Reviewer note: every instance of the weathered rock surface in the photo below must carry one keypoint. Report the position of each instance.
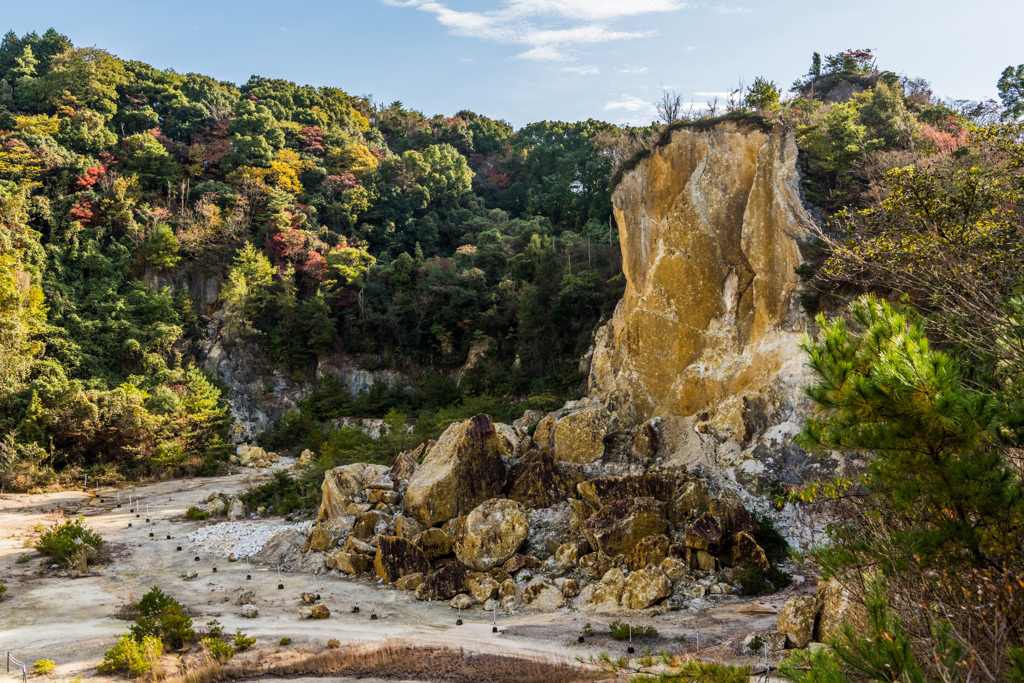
(621, 524)
(434, 543)
(796, 620)
(445, 583)
(539, 482)
(650, 550)
(579, 437)
(704, 534)
(835, 606)
(602, 490)
(349, 563)
(741, 549)
(397, 557)
(344, 485)
(644, 588)
(494, 531)
(463, 469)
(250, 611)
(710, 226)
(542, 596)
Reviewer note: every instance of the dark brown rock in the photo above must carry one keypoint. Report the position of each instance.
(445, 583)
(603, 490)
(519, 561)
(538, 481)
(621, 524)
(741, 549)
(397, 557)
(732, 517)
(704, 534)
(406, 464)
(435, 543)
(365, 527)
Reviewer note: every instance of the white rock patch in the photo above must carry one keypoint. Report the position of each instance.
(244, 539)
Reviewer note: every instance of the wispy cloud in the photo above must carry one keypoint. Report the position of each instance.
(568, 23)
(582, 70)
(722, 9)
(633, 69)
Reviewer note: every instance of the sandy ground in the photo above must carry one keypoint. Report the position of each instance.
(56, 614)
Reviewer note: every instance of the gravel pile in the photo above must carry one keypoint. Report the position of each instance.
(244, 539)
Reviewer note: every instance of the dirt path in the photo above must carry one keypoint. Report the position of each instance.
(53, 614)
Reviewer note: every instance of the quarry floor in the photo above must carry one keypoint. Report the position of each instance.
(70, 618)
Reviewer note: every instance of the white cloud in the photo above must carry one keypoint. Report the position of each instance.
(631, 104)
(582, 70)
(510, 24)
(633, 70)
(722, 9)
(466, 60)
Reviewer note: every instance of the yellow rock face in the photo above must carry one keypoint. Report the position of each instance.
(709, 226)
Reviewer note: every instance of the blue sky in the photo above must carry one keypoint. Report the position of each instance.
(529, 60)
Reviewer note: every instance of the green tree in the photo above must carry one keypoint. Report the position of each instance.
(763, 95)
(142, 155)
(1011, 92)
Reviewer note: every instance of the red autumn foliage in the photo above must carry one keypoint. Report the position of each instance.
(82, 211)
(947, 136)
(501, 180)
(312, 140)
(341, 182)
(315, 266)
(92, 175)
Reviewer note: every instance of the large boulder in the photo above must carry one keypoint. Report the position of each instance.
(650, 550)
(704, 534)
(397, 557)
(691, 500)
(732, 516)
(741, 549)
(621, 524)
(434, 543)
(344, 485)
(603, 490)
(349, 562)
(579, 437)
(645, 587)
(482, 586)
(542, 596)
(463, 469)
(539, 482)
(604, 595)
(796, 620)
(836, 605)
(494, 531)
(445, 583)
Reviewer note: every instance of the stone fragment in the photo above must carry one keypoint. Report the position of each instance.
(245, 597)
(435, 543)
(405, 465)
(305, 612)
(621, 524)
(445, 583)
(500, 575)
(354, 545)
(704, 534)
(189, 574)
(741, 549)
(343, 486)
(410, 582)
(702, 560)
(569, 554)
(319, 539)
(482, 587)
(462, 470)
(796, 620)
(529, 419)
(570, 588)
(407, 527)
(673, 568)
(507, 588)
(650, 550)
(320, 612)
(461, 601)
(397, 557)
(539, 482)
(604, 596)
(579, 437)
(542, 597)
(510, 440)
(309, 598)
(249, 611)
(236, 510)
(692, 499)
(494, 531)
(349, 563)
(519, 561)
(370, 524)
(644, 588)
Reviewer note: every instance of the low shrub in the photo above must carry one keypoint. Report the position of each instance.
(285, 641)
(162, 616)
(22, 558)
(131, 657)
(196, 514)
(44, 666)
(65, 542)
(774, 544)
(755, 581)
(3, 589)
(242, 642)
(217, 649)
(333, 644)
(621, 631)
(214, 629)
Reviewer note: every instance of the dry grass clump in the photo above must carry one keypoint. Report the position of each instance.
(400, 662)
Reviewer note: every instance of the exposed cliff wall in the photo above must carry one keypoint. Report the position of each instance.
(705, 337)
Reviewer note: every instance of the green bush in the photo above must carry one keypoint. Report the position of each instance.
(22, 558)
(44, 666)
(285, 641)
(775, 547)
(162, 616)
(3, 589)
(620, 631)
(242, 642)
(131, 657)
(64, 540)
(217, 649)
(196, 514)
(755, 581)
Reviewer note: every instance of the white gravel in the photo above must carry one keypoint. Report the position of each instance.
(244, 539)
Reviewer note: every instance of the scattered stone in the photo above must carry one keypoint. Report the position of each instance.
(704, 534)
(461, 601)
(507, 588)
(246, 597)
(407, 527)
(775, 640)
(309, 598)
(410, 582)
(305, 613)
(397, 557)
(462, 470)
(343, 486)
(702, 560)
(319, 539)
(189, 574)
(236, 510)
(320, 612)
(249, 611)
(644, 588)
(482, 587)
(674, 569)
(494, 531)
(797, 620)
(621, 524)
(354, 545)
(519, 561)
(370, 524)
(604, 595)
(570, 588)
(406, 464)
